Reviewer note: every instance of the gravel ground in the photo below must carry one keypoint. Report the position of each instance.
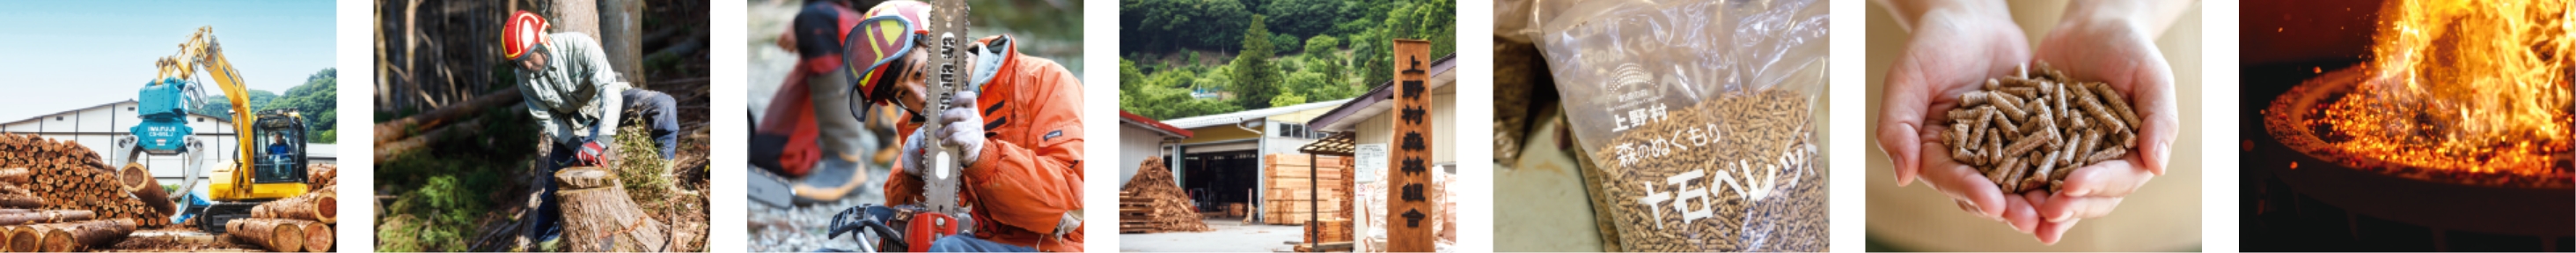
(802, 228)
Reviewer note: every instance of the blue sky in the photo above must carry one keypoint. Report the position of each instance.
(63, 55)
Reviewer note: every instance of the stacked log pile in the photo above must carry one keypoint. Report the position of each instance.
(64, 175)
(301, 223)
(1152, 202)
(1297, 191)
(598, 215)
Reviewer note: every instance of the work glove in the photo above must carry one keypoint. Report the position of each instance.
(965, 128)
(592, 154)
(912, 156)
(962, 127)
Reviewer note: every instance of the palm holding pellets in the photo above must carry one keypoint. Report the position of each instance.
(2028, 131)
(1956, 46)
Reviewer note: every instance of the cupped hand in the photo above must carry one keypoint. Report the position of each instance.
(2121, 52)
(1952, 51)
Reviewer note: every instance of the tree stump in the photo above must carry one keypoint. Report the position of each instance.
(598, 215)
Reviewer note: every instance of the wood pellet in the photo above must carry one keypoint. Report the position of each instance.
(1745, 178)
(2028, 130)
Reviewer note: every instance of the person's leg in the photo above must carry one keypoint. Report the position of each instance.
(968, 243)
(830, 94)
(660, 113)
(838, 135)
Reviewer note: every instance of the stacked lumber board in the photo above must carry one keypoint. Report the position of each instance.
(598, 215)
(302, 223)
(1289, 187)
(1328, 230)
(1133, 214)
(30, 230)
(1153, 202)
(67, 176)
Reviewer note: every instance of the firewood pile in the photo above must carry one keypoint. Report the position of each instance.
(1152, 202)
(301, 223)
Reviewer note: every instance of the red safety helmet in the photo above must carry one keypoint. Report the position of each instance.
(525, 31)
(873, 51)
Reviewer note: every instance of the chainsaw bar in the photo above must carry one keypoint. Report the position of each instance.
(948, 24)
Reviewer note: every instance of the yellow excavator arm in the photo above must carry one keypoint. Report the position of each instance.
(201, 51)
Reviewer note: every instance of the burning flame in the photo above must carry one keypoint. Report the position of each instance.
(2477, 86)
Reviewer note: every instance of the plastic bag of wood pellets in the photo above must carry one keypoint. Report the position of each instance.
(1701, 118)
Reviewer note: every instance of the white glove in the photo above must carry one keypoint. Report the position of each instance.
(964, 127)
(912, 156)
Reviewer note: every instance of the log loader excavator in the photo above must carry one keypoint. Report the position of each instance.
(255, 175)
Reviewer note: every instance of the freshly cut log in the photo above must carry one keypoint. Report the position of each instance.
(136, 178)
(321, 206)
(321, 175)
(24, 239)
(173, 239)
(276, 234)
(318, 237)
(407, 127)
(598, 215)
(18, 175)
(78, 236)
(20, 201)
(24, 216)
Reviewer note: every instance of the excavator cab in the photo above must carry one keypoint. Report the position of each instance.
(275, 170)
(281, 155)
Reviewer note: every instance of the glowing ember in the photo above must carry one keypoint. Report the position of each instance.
(2464, 86)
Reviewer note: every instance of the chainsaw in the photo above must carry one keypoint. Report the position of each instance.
(904, 228)
(911, 228)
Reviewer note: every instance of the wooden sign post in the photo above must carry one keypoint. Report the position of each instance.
(1410, 213)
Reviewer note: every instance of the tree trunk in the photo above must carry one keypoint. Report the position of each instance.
(320, 206)
(171, 241)
(77, 236)
(620, 34)
(24, 216)
(21, 201)
(318, 237)
(24, 239)
(322, 175)
(598, 215)
(406, 127)
(387, 150)
(139, 181)
(275, 234)
(15, 175)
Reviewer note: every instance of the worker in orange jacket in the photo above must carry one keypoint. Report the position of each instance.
(1018, 134)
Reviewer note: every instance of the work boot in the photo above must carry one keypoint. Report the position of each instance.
(831, 179)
